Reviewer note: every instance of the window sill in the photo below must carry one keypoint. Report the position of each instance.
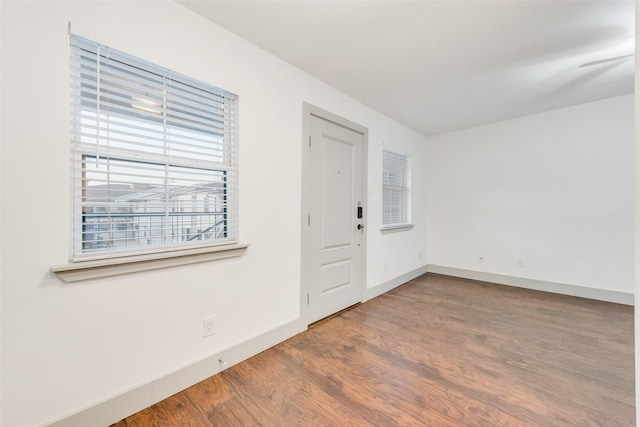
(84, 270)
(395, 228)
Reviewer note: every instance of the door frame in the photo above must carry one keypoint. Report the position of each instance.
(309, 110)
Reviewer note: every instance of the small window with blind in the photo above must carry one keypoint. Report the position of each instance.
(154, 156)
(396, 190)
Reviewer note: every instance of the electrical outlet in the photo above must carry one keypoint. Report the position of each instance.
(209, 326)
(520, 263)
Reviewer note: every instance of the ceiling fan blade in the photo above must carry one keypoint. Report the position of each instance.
(604, 61)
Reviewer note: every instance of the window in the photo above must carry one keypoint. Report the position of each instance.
(396, 188)
(153, 156)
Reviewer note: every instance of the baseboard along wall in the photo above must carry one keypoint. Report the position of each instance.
(538, 285)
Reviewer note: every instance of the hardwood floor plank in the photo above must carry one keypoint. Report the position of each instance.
(455, 375)
(293, 397)
(140, 419)
(367, 387)
(437, 351)
(414, 390)
(208, 394)
(232, 413)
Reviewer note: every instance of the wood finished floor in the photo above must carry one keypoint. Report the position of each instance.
(437, 351)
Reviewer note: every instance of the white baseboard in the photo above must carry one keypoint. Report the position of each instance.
(393, 283)
(538, 285)
(122, 405)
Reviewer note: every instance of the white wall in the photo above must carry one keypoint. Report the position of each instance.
(68, 346)
(554, 189)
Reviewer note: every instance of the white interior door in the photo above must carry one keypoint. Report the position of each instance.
(335, 235)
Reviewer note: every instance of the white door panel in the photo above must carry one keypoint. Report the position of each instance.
(335, 275)
(336, 242)
(336, 187)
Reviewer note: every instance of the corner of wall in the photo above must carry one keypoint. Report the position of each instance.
(384, 287)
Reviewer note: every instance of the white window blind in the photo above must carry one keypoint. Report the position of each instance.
(396, 188)
(154, 156)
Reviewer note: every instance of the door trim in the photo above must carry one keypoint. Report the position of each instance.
(309, 110)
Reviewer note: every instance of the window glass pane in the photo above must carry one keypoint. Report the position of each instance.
(127, 204)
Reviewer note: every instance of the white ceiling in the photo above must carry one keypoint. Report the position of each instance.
(439, 66)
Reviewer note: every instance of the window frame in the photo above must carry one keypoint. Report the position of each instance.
(403, 188)
(110, 263)
(227, 166)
